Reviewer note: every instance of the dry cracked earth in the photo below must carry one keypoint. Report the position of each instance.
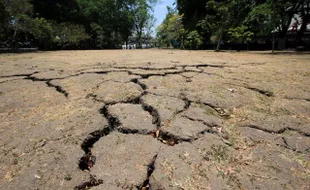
(154, 119)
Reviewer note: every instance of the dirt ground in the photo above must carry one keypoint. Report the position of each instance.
(154, 119)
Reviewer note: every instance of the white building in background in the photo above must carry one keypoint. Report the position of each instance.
(296, 25)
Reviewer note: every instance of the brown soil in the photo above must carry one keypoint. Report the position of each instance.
(154, 119)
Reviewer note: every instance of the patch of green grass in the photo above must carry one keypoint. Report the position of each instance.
(219, 153)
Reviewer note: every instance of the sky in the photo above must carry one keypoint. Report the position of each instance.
(160, 11)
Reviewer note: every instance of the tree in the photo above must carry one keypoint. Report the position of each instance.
(171, 31)
(240, 34)
(67, 35)
(111, 22)
(42, 32)
(273, 16)
(57, 10)
(4, 19)
(126, 20)
(149, 27)
(193, 12)
(219, 18)
(19, 22)
(141, 17)
(193, 40)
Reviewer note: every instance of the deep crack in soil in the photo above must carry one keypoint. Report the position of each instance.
(280, 131)
(190, 74)
(263, 92)
(93, 181)
(49, 84)
(150, 169)
(88, 160)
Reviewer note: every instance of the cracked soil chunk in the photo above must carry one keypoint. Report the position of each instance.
(80, 86)
(204, 114)
(258, 136)
(167, 107)
(132, 117)
(52, 166)
(274, 168)
(297, 142)
(40, 137)
(182, 167)
(185, 128)
(109, 92)
(277, 124)
(122, 160)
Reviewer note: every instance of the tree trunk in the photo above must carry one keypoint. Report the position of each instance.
(218, 47)
(126, 41)
(139, 39)
(273, 43)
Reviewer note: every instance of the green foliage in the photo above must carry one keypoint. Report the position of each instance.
(3, 13)
(57, 10)
(3, 20)
(16, 20)
(219, 17)
(99, 35)
(272, 16)
(214, 39)
(63, 35)
(42, 31)
(143, 17)
(240, 34)
(193, 40)
(171, 31)
(213, 18)
(68, 24)
(109, 23)
(262, 19)
(69, 35)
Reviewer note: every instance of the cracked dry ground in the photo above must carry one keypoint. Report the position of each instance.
(154, 119)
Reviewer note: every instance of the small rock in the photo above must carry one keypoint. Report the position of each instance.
(232, 90)
(37, 176)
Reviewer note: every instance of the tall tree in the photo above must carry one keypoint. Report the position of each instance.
(143, 16)
(274, 15)
(171, 31)
(193, 12)
(58, 10)
(220, 18)
(18, 23)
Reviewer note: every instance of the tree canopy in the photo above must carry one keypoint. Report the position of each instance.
(237, 21)
(97, 24)
(74, 24)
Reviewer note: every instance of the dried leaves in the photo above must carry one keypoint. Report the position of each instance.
(164, 137)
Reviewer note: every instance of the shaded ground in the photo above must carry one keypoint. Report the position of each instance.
(154, 119)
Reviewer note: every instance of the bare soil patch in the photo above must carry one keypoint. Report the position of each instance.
(154, 119)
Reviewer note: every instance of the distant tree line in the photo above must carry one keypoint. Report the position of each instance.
(74, 24)
(193, 23)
